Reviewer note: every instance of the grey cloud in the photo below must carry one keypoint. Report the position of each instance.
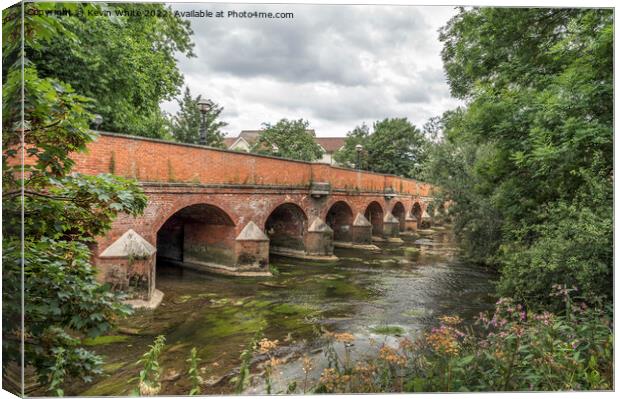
(414, 95)
(426, 85)
(334, 65)
(322, 43)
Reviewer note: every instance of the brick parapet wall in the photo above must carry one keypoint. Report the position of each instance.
(151, 160)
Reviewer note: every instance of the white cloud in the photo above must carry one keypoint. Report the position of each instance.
(337, 66)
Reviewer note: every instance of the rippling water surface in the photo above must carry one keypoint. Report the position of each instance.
(359, 293)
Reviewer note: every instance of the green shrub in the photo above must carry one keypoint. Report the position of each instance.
(574, 246)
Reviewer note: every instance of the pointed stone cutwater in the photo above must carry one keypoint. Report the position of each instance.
(411, 222)
(361, 221)
(319, 226)
(389, 218)
(251, 232)
(130, 244)
(361, 230)
(391, 226)
(251, 252)
(425, 220)
(319, 241)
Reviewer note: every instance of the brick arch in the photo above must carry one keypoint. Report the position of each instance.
(399, 212)
(197, 233)
(286, 226)
(416, 211)
(169, 208)
(374, 213)
(339, 217)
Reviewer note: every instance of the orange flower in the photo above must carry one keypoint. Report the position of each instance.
(273, 362)
(406, 344)
(266, 345)
(451, 320)
(344, 337)
(307, 364)
(391, 356)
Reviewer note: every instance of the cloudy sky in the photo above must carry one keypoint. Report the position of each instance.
(336, 66)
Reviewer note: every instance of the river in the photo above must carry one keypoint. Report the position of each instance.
(364, 293)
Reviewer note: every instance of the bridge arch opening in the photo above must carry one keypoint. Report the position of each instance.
(198, 234)
(340, 218)
(374, 214)
(416, 212)
(399, 213)
(286, 228)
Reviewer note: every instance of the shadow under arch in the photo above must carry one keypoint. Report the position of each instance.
(399, 213)
(416, 212)
(198, 233)
(374, 214)
(340, 219)
(286, 228)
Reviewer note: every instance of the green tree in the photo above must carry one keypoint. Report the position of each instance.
(537, 139)
(126, 64)
(58, 213)
(185, 125)
(347, 155)
(397, 147)
(288, 139)
(451, 165)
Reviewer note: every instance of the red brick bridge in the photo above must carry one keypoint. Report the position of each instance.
(226, 211)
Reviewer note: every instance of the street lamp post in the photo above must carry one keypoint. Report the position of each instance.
(204, 105)
(359, 149)
(97, 120)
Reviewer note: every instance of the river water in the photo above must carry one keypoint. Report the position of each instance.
(362, 293)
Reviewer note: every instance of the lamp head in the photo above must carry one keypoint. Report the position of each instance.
(98, 119)
(205, 105)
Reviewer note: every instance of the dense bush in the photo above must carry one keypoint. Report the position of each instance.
(574, 246)
(529, 159)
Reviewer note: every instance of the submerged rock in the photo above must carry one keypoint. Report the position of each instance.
(220, 302)
(411, 252)
(128, 330)
(271, 285)
(329, 276)
(182, 299)
(213, 380)
(171, 375)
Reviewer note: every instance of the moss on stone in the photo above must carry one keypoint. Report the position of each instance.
(109, 387)
(411, 252)
(112, 367)
(388, 330)
(105, 340)
(418, 312)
